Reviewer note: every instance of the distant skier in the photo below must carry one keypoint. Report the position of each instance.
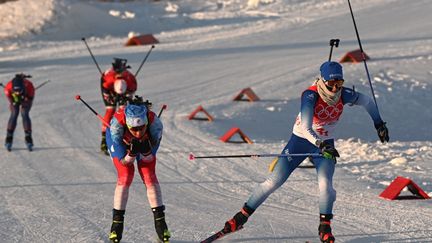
(20, 93)
(118, 85)
(134, 135)
(321, 106)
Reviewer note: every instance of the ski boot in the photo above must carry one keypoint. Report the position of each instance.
(324, 229)
(160, 224)
(104, 147)
(116, 232)
(8, 142)
(238, 220)
(29, 141)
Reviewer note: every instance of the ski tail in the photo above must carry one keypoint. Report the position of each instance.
(218, 235)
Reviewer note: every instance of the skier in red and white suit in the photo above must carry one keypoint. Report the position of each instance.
(134, 135)
(118, 85)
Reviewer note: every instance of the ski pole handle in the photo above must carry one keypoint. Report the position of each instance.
(193, 157)
(78, 97)
(335, 43)
(1, 84)
(161, 110)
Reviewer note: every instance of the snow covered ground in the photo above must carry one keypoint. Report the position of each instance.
(209, 51)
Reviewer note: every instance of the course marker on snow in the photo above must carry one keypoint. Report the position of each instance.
(355, 56)
(226, 137)
(248, 92)
(147, 39)
(200, 109)
(394, 189)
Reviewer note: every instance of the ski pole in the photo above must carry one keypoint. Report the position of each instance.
(162, 109)
(193, 157)
(363, 55)
(91, 54)
(1, 84)
(78, 97)
(145, 58)
(42, 84)
(335, 43)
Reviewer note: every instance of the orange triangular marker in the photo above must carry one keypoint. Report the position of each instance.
(354, 57)
(394, 189)
(248, 92)
(200, 109)
(225, 138)
(142, 40)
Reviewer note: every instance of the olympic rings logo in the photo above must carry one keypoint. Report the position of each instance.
(328, 112)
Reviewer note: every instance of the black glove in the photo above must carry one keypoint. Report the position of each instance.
(328, 151)
(382, 132)
(146, 147)
(136, 146)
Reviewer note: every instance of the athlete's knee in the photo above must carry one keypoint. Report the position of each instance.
(327, 190)
(125, 180)
(274, 182)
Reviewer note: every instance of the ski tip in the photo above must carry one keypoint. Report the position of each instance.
(191, 157)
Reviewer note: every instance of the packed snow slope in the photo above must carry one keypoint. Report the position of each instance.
(208, 52)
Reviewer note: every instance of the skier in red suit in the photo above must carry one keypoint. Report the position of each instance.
(133, 139)
(20, 93)
(118, 85)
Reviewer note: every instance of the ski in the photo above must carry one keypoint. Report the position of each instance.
(218, 235)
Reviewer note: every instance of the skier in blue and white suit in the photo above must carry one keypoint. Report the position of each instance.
(321, 107)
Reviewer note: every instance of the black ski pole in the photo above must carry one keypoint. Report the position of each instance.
(91, 54)
(193, 157)
(161, 110)
(363, 55)
(335, 43)
(145, 58)
(78, 97)
(42, 84)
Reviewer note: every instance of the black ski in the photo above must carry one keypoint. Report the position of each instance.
(218, 235)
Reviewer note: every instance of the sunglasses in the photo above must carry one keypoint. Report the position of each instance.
(137, 129)
(335, 82)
